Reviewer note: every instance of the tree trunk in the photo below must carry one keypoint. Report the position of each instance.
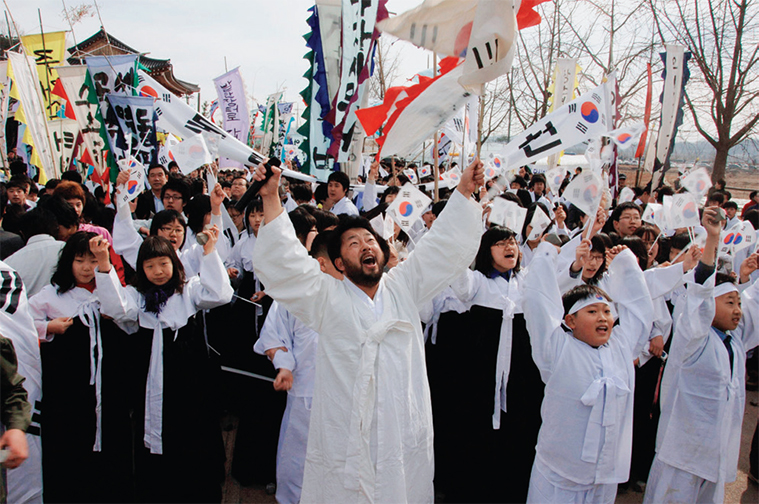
(720, 162)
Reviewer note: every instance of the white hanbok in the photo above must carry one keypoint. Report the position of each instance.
(24, 483)
(370, 437)
(282, 329)
(702, 404)
(344, 206)
(586, 437)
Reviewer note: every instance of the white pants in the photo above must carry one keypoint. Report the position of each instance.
(291, 449)
(669, 484)
(543, 490)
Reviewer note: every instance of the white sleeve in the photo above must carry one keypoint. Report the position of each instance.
(126, 239)
(627, 287)
(213, 288)
(564, 277)
(276, 333)
(662, 281)
(446, 251)
(543, 309)
(748, 328)
(234, 258)
(38, 310)
(696, 312)
(292, 277)
(120, 303)
(369, 199)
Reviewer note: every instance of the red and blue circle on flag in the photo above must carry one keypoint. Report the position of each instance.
(624, 138)
(147, 91)
(589, 112)
(689, 210)
(132, 186)
(590, 194)
(406, 208)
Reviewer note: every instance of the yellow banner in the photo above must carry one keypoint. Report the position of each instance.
(48, 52)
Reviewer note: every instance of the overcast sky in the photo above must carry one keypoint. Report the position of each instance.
(263, 37)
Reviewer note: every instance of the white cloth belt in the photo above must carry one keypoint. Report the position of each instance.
(602, 414)
(503, 361)
(89, 314)
(359, 472)
(154, 393)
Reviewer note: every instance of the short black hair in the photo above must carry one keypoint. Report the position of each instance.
(627, 205)
(389, 191)
(752, 216)
(341, 178)
(520, 181)
(537, 178)
(320, 245)
(582, 291)
(72, 176)
(171, 165)
(679, 241)
(303, 222)
(178, 184)
(730, 204)
(348, 222)
(38, 221)
(301, 192)
(196, 210)
(637, 247)
(77, 245)
(722, 278)
(256, 205)
(157, 165)
(63, 211)
(438, 206)
(325, 219)
(483, 262)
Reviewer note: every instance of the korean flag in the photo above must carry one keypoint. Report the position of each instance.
(408, 206)
(697, 182)
(585, 192)
(136, 182)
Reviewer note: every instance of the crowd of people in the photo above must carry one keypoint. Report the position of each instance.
(554, 366)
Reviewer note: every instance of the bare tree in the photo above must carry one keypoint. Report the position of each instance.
(723, 38)
(388, 60)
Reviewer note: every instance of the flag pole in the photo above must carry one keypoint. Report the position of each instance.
(435, 155)
(479, 120)
(47, 69)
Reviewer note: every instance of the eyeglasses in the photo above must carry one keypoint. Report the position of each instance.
(632, 218)
(595, 258)
(505, 243)
(169, 197)
(172, 230)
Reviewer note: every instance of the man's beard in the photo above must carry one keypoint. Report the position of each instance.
(357, 275)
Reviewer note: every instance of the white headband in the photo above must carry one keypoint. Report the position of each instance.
(724, 288)
(582, 303)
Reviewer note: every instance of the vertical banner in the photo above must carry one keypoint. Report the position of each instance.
(5, 87)
(233, 105)
(646, 115)
(562, 91)
(329, 19)
(73, 79)
(135, 116)
(26, 84)
(271, 122)
(675, 76)
(358, 42)
(317, 130)
(63, 133)
(48, 52)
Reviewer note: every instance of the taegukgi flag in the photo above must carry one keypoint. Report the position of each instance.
(585, 192)
(697, 182)
(136, 183)
(408, 206)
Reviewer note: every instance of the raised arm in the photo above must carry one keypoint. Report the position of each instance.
(282, 264)
(212, 287)
(116, 301)
(627, 287)
(449, 247)
(543, 309)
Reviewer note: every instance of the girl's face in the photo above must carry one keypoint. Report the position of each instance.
(158, 270)
(254, 220)
(505, 254)
(83, 268)
(174, 232)
(594, 262)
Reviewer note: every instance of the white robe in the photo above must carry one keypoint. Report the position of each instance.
(370, 438)
(344, 206)
(586, 436)
(702, 405)
(17, 324)
(282, 329)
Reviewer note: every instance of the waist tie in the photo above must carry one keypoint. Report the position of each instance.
(89, 314)
(602, 413)
(154, 394)
(359, 472)
(503, 361)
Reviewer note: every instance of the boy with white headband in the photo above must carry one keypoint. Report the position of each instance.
(584, 444)
(703, 387)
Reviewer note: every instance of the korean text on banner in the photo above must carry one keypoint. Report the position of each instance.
(48, 52)
(234, 110)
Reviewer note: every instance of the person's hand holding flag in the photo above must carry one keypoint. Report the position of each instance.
(472, 178)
